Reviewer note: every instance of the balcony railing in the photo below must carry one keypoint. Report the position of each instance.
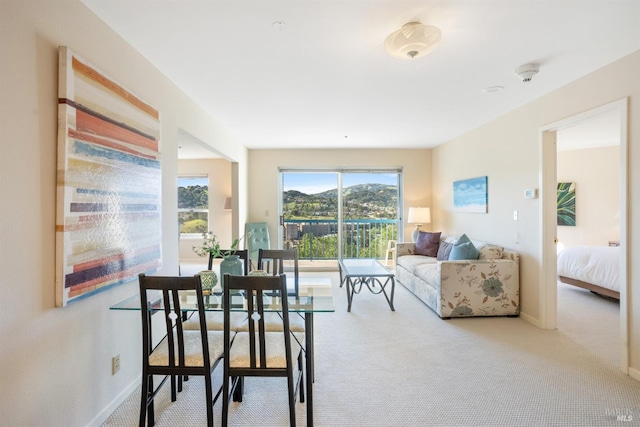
(318, 239)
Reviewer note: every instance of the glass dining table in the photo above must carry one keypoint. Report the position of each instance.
(315, 295)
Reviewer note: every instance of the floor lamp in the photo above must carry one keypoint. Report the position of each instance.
(418, 216)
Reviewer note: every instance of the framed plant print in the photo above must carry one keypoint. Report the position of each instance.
(567, 203)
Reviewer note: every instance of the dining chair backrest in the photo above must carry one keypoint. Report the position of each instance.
(257, 237)
(242, 253)
(276, 261)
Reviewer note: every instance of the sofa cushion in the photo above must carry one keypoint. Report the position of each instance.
(427, 244)
(410, 262)
(463, 249)
(444, 250)
(430, 274)
(490, 252)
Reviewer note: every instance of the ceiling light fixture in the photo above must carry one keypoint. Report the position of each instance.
(413, 40)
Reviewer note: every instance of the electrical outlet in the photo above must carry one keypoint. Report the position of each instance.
(115, 364)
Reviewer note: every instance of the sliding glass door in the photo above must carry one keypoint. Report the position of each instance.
(345, 213)
(370, 213)
(309, 213)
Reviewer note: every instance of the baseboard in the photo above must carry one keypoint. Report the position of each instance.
(107, 411)
(634, 373)
(535, 322)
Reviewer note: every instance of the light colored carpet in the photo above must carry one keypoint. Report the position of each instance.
(375, 367)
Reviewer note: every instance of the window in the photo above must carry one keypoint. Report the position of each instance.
(193, 204)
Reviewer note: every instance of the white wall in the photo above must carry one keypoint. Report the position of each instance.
(596, 173)
(507, 150)
(264, 164)
(56, 362)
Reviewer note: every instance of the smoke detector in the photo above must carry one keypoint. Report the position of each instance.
(527, 71)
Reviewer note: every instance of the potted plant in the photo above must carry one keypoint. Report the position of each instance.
(211, 247)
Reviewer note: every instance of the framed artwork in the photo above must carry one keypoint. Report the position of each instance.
(470, 195)
(567, 203)
(108, 223)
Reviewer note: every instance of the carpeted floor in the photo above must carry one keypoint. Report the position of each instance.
(375, 367)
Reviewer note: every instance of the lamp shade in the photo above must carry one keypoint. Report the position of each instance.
(227, 204)
(413, 40)
(419, 216)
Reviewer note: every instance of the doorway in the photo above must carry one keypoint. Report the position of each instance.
(205, 182)
(548, 215)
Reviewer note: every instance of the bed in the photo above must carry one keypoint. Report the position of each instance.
(596, 268)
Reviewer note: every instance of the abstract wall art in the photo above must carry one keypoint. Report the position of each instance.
(108, 223)
(470, 195)
(567, 203)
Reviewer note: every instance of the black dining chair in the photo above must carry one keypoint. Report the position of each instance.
(259, 352)
(214, 319)
(276, 262)
(181, 352)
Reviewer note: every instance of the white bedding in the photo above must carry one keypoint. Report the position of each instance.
(599, 265)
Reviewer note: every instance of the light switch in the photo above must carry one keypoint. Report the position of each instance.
(515, 215)
(266, 212)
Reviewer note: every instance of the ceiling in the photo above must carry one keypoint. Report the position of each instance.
(322, 78)
(191, 148)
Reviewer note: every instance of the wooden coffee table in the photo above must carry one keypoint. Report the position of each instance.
(356, 272)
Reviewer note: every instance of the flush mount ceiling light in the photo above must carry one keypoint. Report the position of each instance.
(413, 40)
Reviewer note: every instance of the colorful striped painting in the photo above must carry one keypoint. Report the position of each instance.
(108, 223)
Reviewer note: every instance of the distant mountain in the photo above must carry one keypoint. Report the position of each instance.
(361, 201)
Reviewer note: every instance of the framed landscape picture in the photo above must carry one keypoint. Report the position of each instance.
(567, 203)
(108, 224)
(470, 195)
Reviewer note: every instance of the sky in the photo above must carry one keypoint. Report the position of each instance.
(314, 182)
(317, 182)
(191, 181)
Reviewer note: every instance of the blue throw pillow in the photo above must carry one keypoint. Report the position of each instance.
(462, 239)
(463, 249)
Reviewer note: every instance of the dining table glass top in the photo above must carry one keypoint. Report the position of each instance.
(315, 295)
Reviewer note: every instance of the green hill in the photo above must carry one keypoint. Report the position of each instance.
(372, 201)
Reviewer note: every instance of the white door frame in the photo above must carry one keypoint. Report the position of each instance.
(548, 183)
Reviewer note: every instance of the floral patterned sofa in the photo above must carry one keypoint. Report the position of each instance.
(487, 286)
